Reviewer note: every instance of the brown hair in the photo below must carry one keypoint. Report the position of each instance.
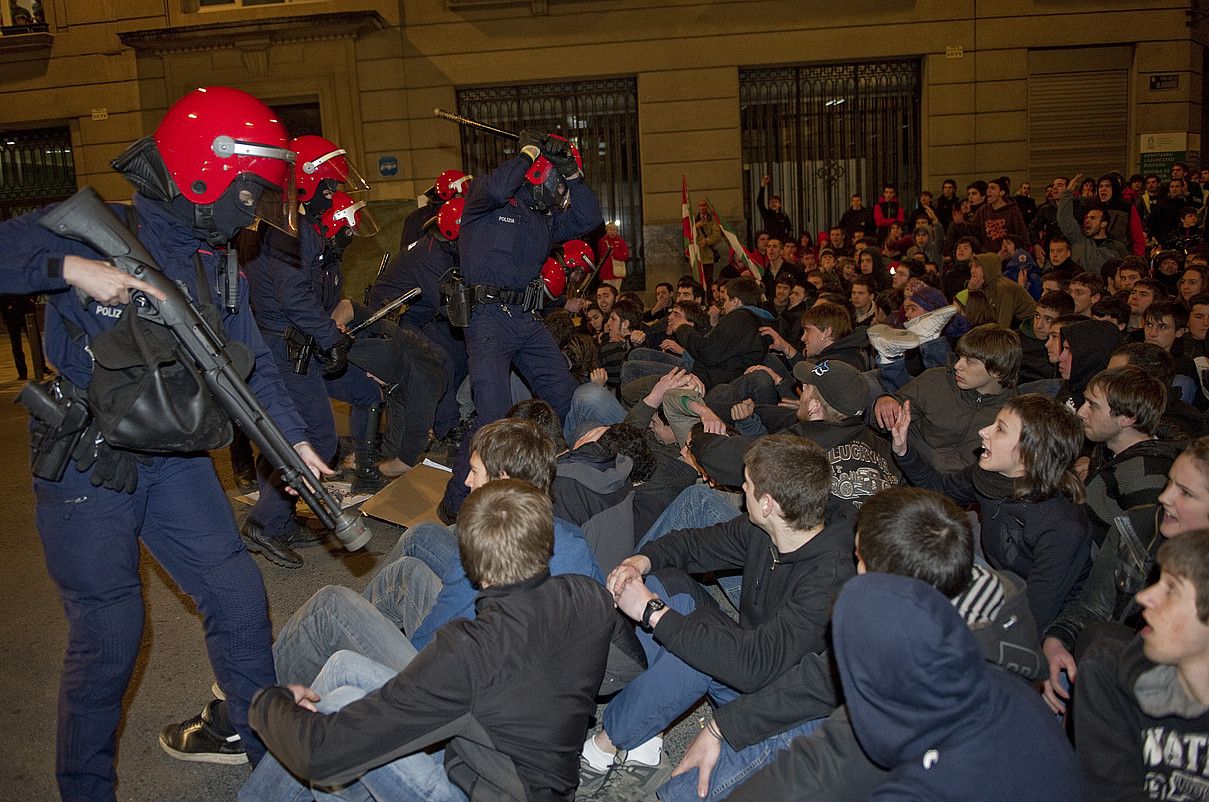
(517, 448)
(795, 472)
(506, 533)
(827, 315)
(1050, 439)
(997, 348)
(914, 532)
(1132, 392)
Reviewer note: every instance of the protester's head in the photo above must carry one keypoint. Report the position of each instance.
(989, 359)
(1034, 440)
(506, 533)
(625, 318)
(1176, 608)
(515, 448)
(1185, 500)
(1050, 307)
(966, 248)
(977, 309)
(664, 291)
(1198, 316)
(1055, 282)
(864, 288)
(1165, 322)
(606, 296)
(687, 312)
(746, 290)
(831, 391)
(786, 478)
(633, 442)
(689, 290)
(1121, 399)
(914, 532)
(822, 325)
(1085, 288)
(1059, 252)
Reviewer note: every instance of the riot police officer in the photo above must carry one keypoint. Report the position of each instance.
(511, 218)
(218, 159)
(296, 288)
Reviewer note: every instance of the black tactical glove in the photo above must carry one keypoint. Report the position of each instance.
(565, 164)
(531, 136)
(112, 468)
(335, 359)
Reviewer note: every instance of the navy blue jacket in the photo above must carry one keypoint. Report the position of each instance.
(503, 242)
(28, 247)
(421, 264)
(926, 706)
(294, 283)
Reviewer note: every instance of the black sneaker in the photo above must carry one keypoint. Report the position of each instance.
(623, 781)
(275, 550)
(206, 738)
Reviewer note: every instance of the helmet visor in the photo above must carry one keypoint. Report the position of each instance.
(278, 206)
(335, 165)
(359, 219)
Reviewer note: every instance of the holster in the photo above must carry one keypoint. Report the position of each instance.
(456, 299)
(299, 348)
(61, 417)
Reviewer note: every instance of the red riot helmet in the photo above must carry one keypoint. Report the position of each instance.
(217, 139)
(321, 160)
(554, 278)
(452, 183)
(578, 258)
(549, 187)
(447, 222)
(347, 213)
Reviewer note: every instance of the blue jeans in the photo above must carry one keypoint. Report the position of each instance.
(591, 406)
(733, 768)
(345, 678)
(893, 374)
(652, 362)
(697, 506)
(669, 686)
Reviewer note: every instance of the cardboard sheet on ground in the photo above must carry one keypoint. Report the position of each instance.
(412, 498)
(342, 491)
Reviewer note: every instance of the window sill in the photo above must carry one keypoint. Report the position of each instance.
(25, 39)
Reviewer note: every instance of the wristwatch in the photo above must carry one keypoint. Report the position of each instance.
(652, 607)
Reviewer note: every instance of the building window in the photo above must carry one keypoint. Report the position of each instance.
(827, 131)
(22, 16)
(36, 168)
(599, 116)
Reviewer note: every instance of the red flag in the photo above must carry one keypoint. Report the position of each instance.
(691, 250)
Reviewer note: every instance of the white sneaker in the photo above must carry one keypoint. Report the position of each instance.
(594, 757)
(929, 325)
(647, 753)
(891, 343)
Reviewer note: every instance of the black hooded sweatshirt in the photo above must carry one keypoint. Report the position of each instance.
(1091, 344)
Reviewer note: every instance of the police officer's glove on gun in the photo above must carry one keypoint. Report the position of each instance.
(335, 359)
(531, 137)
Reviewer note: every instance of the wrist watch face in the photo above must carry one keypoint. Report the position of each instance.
(652, 607)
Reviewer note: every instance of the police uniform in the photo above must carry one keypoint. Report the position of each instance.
(90, 535)
(294, 282)
(422, 265)
(502, 245)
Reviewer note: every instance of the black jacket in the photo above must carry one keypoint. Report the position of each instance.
(734, 345)
(1136, 728)
(1047, 543)
(514, 689)
(784, 608)
(1119, 482)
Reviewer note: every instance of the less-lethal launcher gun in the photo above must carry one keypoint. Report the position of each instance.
(86, 218)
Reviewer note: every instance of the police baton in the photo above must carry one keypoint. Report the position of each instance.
(469, 123)
(405, 298)
(587, 282)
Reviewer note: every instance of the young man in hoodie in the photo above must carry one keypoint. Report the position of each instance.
(722, 354)
(950, 405)
(792, 561)
(1142, 708)
(903, 531)
(1011, 303)
(999, 217)
(1090, 244)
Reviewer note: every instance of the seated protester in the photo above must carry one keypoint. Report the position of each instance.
(793, 563)
(722, 354)
(1193, 343)
(1028, 497)
(802, 296)
(665, 296)
(779, 301)
(924, 704)
(1142, 707)
(1114, 309)
(1165, 323)
(1055, 282)
(1180, 422)
(1128, 466)
(1059, 257)
(1011, 303)
(1142, 294)
(950, 405)
(1124, 564)
(1128, 273)
(1166, 268)
(830, 412)
(827, 333)
(957, 274)
(862, 295)
(646, 361)
(903, 531)
(622, 331)
(1086, 289)
(929, 326)
(370, 729)
(1034, 360)
(1084, 349)
(1019, 267)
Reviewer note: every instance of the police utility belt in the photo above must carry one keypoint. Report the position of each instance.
(458, 298)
